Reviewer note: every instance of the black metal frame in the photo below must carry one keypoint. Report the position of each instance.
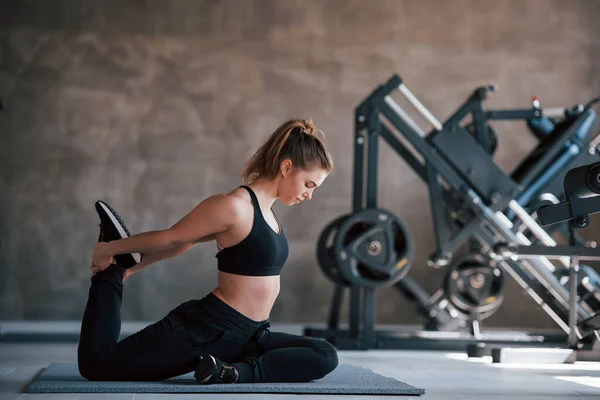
(482, 191)
(582, 191)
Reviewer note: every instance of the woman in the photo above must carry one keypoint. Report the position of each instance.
(223, 337)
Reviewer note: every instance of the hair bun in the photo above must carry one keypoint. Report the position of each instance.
(308, 127)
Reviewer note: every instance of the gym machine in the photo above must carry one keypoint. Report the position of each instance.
(474, 204)
(582, 190)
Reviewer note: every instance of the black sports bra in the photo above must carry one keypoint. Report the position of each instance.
(262, 253)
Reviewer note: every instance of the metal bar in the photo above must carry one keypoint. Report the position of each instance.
(355, 311)
(440, 230)
(408, 120)
(461, 236)
(390, 85)
(461, 113)
(372, 159)
(475, 329)
(590, 324)
(481, 128)
(573, 331)
(554, 112)
(533, 251)
(513, 114)
(415, 293)
(382, 90)
(406, 154)
(560, 212)
(360, 135)
(368, 337)
(537, 230)
(336, 303)
(573, 275)
(594, 143)
(420, 107)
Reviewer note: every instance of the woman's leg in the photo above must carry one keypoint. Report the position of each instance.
(288, 358)
(162, 350)
(101, 323)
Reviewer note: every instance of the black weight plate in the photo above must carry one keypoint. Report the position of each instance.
(325, 256)
(474, 287)
(373, 248)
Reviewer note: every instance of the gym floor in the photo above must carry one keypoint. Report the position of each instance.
(444, 376)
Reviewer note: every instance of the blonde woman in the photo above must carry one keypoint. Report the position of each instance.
(224, 336)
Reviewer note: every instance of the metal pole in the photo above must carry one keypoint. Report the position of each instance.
(402, 114)
(573, 277)
(420, 107)
(535, 228)
(336, 302)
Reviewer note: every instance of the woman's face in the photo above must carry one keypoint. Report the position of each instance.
(298, 184)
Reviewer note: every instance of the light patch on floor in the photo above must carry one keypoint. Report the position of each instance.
(592, 381)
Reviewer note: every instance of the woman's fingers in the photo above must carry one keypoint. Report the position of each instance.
(95, 269)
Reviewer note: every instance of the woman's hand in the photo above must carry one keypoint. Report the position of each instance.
(134, 269)
(101, 258)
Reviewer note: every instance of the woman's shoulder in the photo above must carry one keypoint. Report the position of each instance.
(233, 207)
(237, 202)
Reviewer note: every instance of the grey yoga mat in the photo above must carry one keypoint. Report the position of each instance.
(345, 379)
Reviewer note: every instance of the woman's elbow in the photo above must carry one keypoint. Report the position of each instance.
(171, 238)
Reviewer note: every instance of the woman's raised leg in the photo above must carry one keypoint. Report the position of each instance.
(167, 348)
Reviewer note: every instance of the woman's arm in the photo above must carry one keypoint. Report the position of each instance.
(151, 258)
(214, 215)
(154, 257)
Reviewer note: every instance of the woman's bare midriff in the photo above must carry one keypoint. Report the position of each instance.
(252, 296)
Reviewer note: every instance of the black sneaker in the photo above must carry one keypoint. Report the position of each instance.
(112, 228)
(211, 370)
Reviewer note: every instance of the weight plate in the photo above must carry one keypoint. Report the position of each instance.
(474, 286)
(325, 255)
(373, 248)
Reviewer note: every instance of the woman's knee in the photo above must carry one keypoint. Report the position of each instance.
(329, 358)
(88, 370)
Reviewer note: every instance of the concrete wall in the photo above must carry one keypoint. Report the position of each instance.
(153, 106)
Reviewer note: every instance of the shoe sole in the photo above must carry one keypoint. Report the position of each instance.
(203, 379)
(119, 225)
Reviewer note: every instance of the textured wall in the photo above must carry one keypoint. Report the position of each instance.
(153, 106)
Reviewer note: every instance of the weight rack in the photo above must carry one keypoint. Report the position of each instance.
(460, 172)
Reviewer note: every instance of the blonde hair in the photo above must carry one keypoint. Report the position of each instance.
(298, 140)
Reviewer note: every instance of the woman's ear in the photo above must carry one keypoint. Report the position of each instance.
(285, 167)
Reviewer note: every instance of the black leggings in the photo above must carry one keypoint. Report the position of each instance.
(170, 347)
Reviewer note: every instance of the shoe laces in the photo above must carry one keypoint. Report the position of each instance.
(229, 374)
